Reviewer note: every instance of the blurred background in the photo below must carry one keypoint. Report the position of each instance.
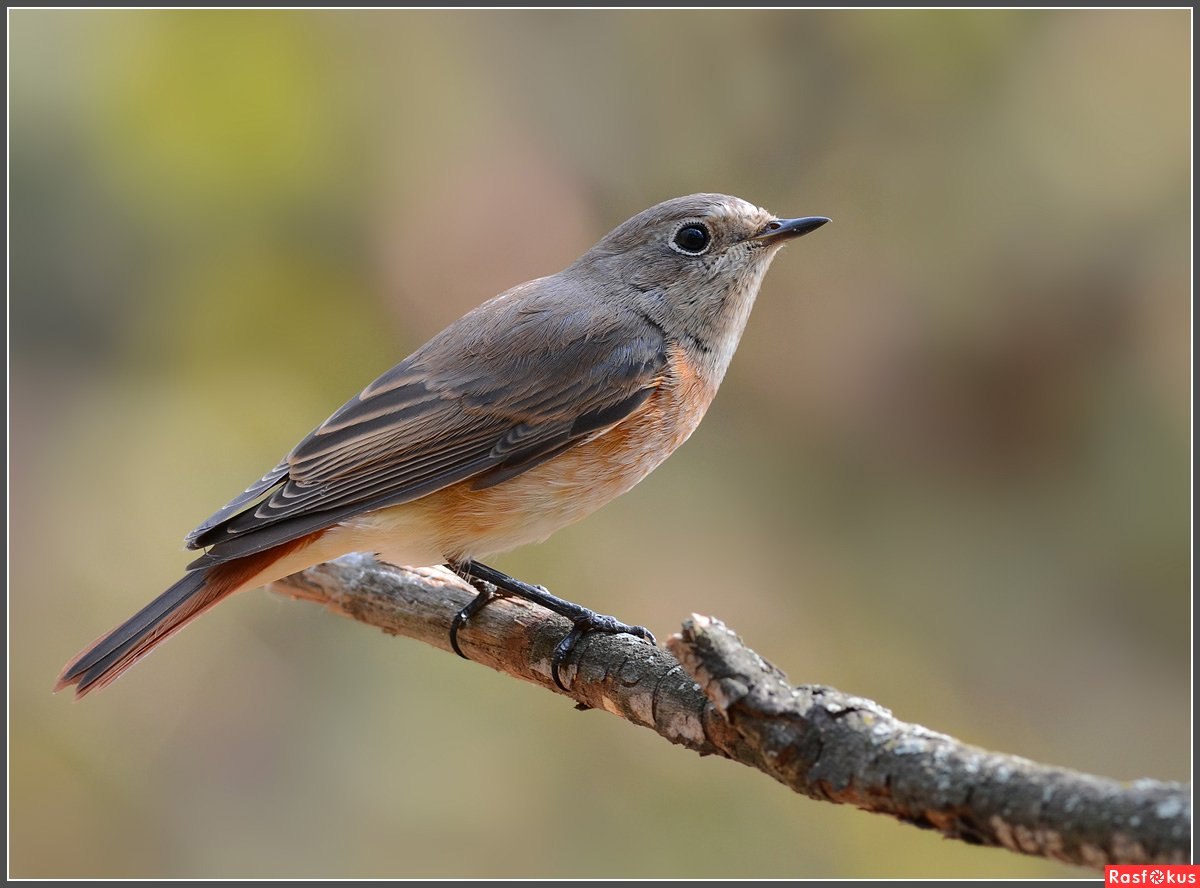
(948, 469)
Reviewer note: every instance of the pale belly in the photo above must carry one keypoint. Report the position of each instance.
(459, 523)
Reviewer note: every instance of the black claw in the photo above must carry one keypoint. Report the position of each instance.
(562, 651)
(487, 593)
(461, 618)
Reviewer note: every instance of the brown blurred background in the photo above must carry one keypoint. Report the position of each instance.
(948, 470)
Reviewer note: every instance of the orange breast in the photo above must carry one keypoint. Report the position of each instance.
(531, 506)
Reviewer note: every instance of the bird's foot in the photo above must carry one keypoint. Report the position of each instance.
(491, 584)
(590, 621)
(487, 594)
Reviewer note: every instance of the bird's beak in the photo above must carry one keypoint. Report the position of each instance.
(786, 229)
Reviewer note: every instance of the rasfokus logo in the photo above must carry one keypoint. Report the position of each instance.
(1150, 874)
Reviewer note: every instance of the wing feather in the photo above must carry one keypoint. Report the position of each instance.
(505, 388)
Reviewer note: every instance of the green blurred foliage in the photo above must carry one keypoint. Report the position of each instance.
(949, 468)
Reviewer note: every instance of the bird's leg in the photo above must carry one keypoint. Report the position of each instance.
(493, 583)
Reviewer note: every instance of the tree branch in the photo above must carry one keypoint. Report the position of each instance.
(721, 698)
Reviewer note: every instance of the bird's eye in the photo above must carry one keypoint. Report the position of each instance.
(691, 239)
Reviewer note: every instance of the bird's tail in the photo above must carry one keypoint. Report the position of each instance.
(107, 658)
(104, 660)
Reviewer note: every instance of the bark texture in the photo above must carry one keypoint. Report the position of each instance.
(708, 692)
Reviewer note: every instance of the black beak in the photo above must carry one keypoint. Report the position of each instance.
(786, 229)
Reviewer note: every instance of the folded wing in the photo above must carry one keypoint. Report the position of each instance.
(510, 385)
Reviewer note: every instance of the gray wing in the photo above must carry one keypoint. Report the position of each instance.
(515, 382)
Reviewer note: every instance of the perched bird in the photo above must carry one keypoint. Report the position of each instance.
(522, 416)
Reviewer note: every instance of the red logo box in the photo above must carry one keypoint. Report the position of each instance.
(1152, 874)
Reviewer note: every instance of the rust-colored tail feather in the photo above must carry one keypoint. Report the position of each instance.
(104, 660)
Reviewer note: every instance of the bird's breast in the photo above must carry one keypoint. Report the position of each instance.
(531, 506)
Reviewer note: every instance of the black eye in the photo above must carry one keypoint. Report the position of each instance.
(692, 239)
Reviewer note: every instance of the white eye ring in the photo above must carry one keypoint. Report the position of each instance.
(696, 242)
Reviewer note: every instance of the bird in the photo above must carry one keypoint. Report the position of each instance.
(523, 416)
